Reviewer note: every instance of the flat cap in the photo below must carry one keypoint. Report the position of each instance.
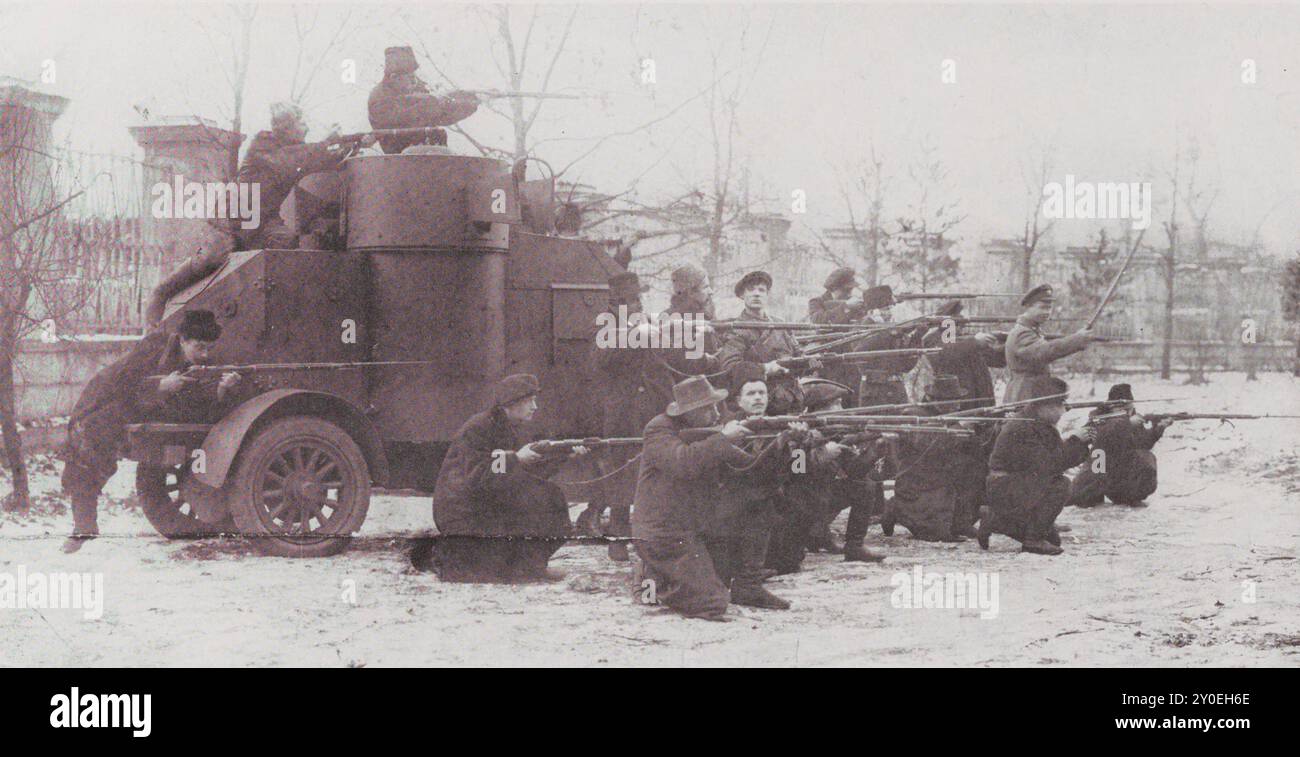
(687, 277)
(750, 279)
(879, 297)
(513, 388)
(819, 392)
(201, 325)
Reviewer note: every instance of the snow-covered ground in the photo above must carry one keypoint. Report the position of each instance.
(1207, 574)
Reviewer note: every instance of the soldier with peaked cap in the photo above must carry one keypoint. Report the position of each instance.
(625, 376)
(130, 391)
(763, 347)
(498, 517)
(1027, 486)
(1028, 352)
(1127, 473)
(401, 100)
(676, 493)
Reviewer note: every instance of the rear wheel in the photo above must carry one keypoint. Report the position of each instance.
(165, 507)
(300, 488)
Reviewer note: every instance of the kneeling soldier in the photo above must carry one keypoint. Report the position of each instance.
(1027, 487)
(130, 391)
(673, 511)
(498, 517)
(1127, 472)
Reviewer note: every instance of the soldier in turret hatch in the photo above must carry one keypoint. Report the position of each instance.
(403, 101)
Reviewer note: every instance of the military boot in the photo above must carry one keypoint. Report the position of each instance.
(888, 519)
(822, 539)
(1041, 547)
(857, 552)
(85, 521)
(986, 527)
(1037, 538)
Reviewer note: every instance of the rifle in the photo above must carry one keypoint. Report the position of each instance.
(852, 358)
(783, 326)
(1001, 409)
(205, 372)
(350, 139)
(493, 94)
(905, 296)
(889, 424)
(1108, 405)
(870, 409)
(553, 446)
(1110, 292)
(1221, 417)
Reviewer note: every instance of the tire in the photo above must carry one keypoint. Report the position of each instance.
(158, 489)
(296, 471)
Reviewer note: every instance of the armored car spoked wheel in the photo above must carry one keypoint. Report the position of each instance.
(300, 488)
(167, 506)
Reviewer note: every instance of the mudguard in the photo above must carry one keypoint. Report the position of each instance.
(226, 437)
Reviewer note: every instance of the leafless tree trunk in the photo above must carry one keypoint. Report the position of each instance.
(1035, 178)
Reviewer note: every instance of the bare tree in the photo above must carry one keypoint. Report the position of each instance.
(862, 188)
(927, 228)
(1035, 174)
(45, 278)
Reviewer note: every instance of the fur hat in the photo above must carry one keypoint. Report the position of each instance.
(1120, 392)
(626, 286)
(513, 388)
(201, 325)
(400, 60)
(841, 277)
(687, 277)
(879, 297)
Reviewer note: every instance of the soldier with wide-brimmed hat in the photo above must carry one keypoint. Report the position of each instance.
(673, 513)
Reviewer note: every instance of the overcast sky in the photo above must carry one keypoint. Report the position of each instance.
(1110, 88)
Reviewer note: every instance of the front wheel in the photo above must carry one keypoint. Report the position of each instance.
(162, 496)
(300, 488)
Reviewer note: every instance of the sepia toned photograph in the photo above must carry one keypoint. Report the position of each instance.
(781, 335)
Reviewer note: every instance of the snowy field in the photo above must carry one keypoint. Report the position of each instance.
(1207, 574)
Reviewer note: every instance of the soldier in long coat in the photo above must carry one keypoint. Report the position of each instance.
(928, 490)
(677, 487)
(131, 391)
(275, 161)
(1127, 474)
(498, 517)
(625, 379)
(401, 100)
(1028, 352)
(1027, 486)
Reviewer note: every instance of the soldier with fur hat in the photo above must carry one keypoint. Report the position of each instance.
(276, 159)
(1127, 474)
(1028, 352)
(129, 391)
(499, 519)
(1027, 486)
(401, 100)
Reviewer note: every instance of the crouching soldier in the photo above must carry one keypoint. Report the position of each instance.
(673, 510)
(498, 518)
(838, 476)
(1126, 471)
(1027, 487)
(751, 502)
(147, 385)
